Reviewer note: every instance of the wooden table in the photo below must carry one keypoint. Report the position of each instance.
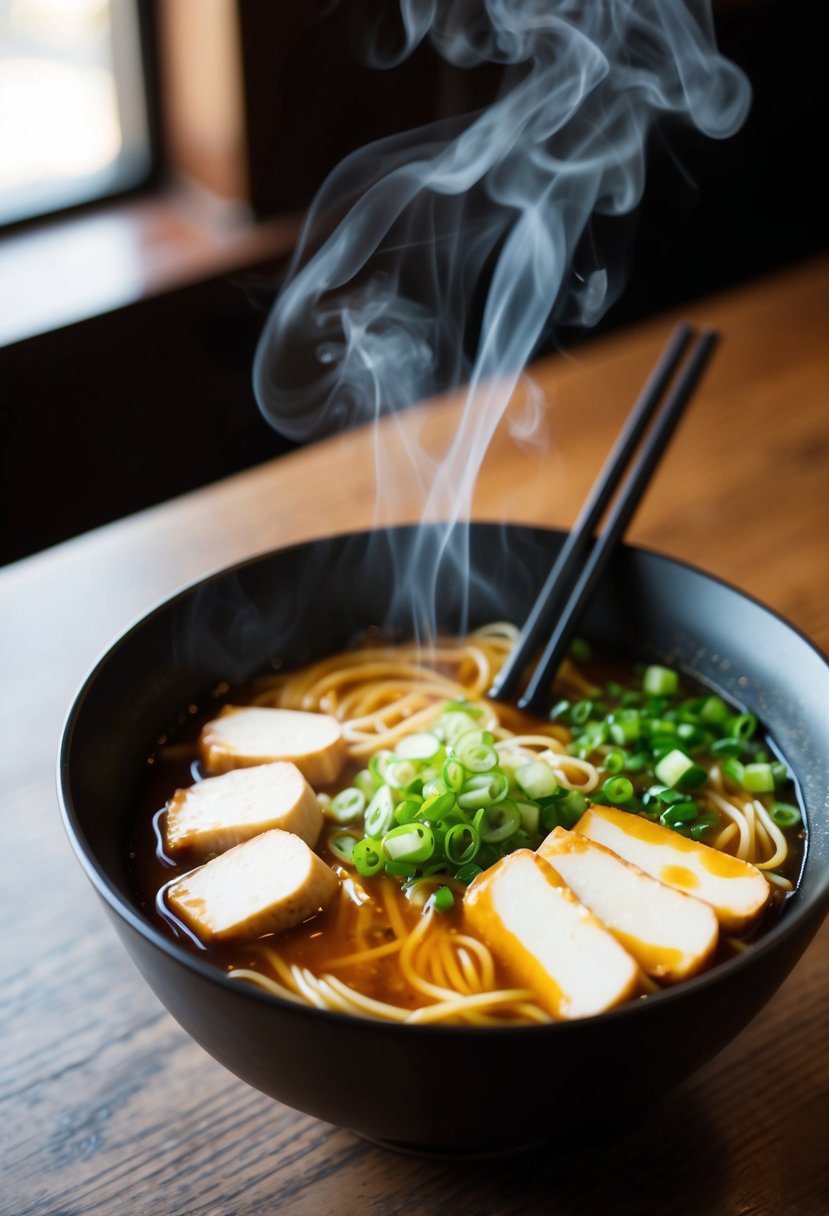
(108, 1107)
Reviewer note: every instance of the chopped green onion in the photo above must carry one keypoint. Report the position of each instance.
(401, 774)
(379, 813)
(530, 817)
(461, 843)
(342, 845)
(407, 810)
(679, 813)
(466, 873)
(618, 790)
(660, 748)
(401, 869)
(594, 735)
(367, 857)
(411, 842)
(701, 825)
(614, 761)
(758, 778)
(497, 823)
(537, 779)
(663, 793)
(728, 747)
(678, 770)
(442, 900)
(441, 866)
(475, 751)
(450, 800)
(691, 734)
(450, 726)
(454, 774)
(714, 711)
(570, 808)
(743, 726)
(365, 783)
(465, 707)
(734, 770)
(658, 727)
(487, 856)
(420, 746)
(660, 681)
(785, 814)
(378, 764)
(483, 790)
(347, 806)
(625, 730)
(437, 806)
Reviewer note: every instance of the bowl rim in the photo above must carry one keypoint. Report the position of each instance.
(786, 924)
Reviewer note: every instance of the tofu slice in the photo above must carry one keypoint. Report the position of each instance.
(265, 885)
(671, 935)
(736, 890)
(548, 941)
(219, 812)
(241, 736)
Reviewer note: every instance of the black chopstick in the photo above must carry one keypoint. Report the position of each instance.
(552, 596)
(573, 587)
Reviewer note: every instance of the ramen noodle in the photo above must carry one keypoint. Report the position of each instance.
(439, 785)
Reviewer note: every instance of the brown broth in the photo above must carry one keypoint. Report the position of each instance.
(347, 925)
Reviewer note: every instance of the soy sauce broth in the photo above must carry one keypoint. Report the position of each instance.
(360, 917)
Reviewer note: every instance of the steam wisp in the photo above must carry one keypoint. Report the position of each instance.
(409, 234)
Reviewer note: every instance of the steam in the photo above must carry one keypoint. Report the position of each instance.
(441, 256)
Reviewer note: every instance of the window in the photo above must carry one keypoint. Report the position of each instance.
(74, 122)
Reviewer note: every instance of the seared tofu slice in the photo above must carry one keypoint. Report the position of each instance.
(242, 736)
(671, 935)
(736, 890)
(548, 941)
(265, 885)
(219, 812)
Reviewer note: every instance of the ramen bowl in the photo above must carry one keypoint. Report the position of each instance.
(440, 1088)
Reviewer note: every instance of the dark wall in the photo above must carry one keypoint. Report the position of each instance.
(718, 212)
(129, 409)
(714, 212)
(102, 418)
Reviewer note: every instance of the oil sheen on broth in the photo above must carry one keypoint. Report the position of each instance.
(396, 941)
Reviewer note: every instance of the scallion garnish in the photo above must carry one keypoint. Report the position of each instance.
(537, 779)
(679, 770)
(347, 806)
(367, 857)
(618, 790)
(380, 812)
(785, 814)
(661, 681)
(446, 803)
(441, 900)
(409, 842)
(758, 778)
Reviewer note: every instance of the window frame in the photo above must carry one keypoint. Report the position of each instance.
(147, 173)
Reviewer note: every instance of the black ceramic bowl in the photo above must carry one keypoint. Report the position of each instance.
(299, 603)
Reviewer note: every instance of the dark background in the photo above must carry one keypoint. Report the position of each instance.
(124, 410)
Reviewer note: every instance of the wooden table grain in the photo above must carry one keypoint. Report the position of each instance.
(108, 1107)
